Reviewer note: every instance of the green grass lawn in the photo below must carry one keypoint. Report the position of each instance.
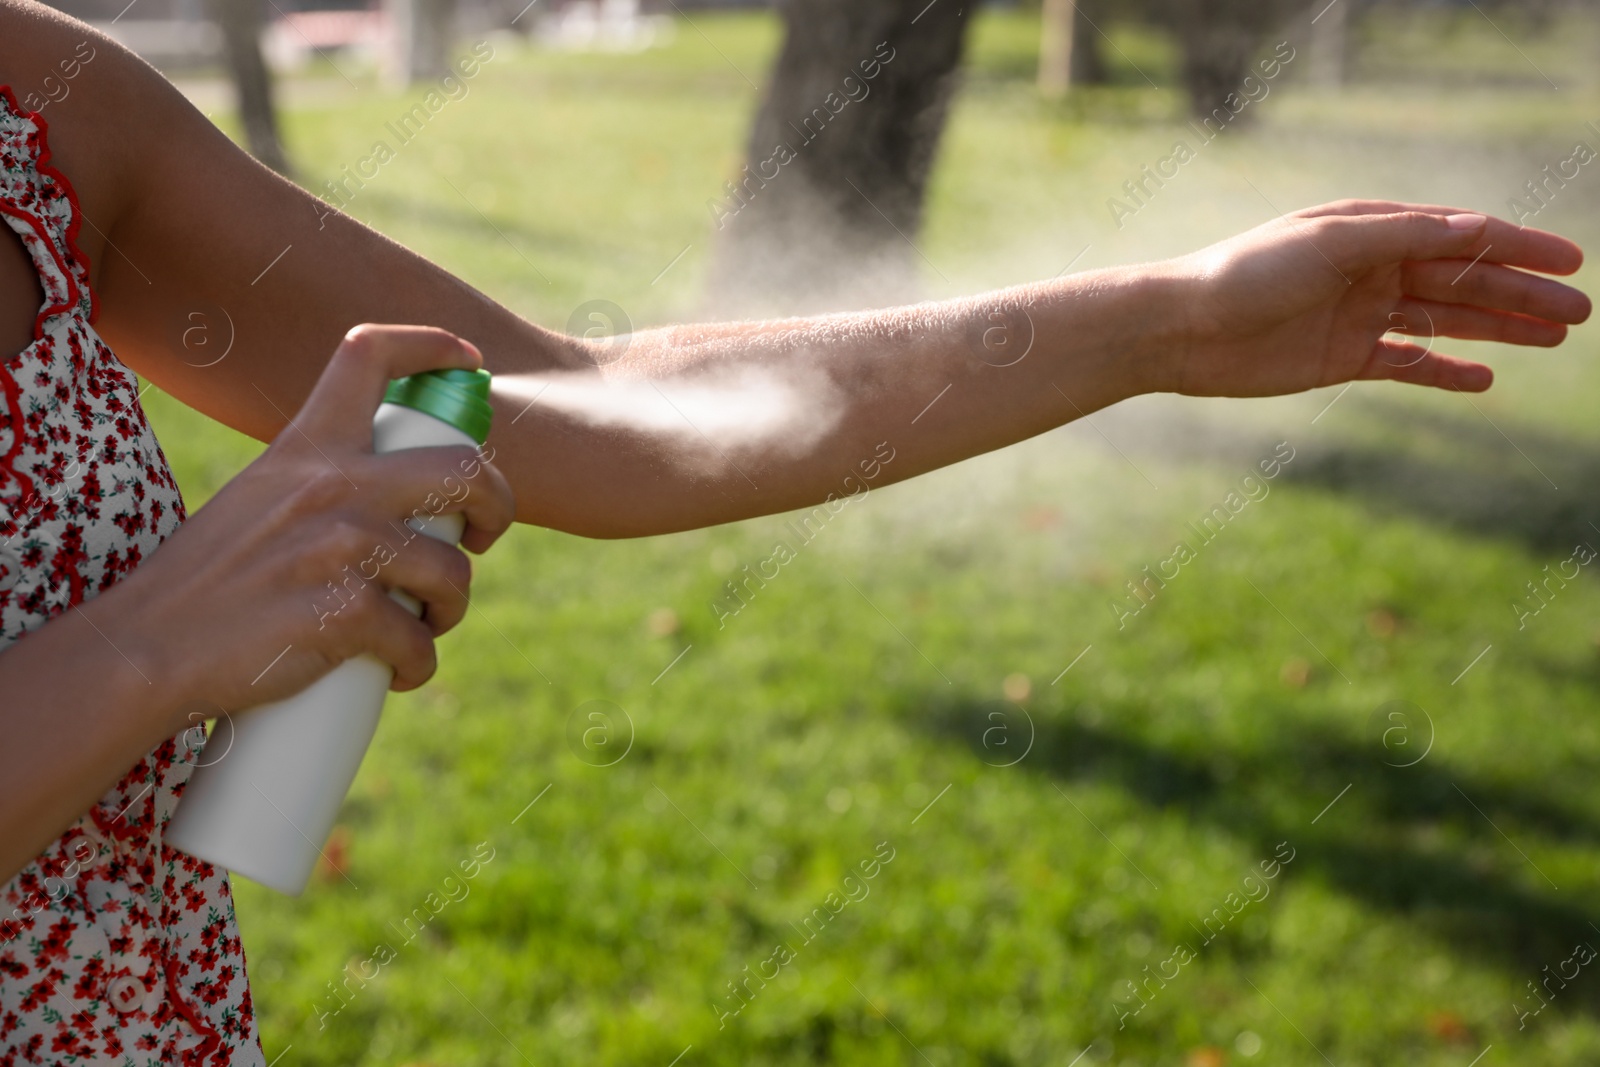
(1051, 849)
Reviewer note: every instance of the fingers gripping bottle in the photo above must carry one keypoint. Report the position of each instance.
(264, 806)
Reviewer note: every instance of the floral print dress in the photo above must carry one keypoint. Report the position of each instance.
(115, 948)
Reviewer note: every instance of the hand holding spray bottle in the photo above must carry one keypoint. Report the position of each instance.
(266, 807)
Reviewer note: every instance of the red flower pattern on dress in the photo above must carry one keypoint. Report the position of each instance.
(115, 948)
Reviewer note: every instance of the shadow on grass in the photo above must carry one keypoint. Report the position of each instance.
(1472, 471)
(1489, 478)
(1414, 841)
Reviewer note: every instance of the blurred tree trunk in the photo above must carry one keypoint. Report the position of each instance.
(1220, 38)
(1088, 64)
(1330, 45)
(424, 31)
(240, 22)
(824, 213)
(1069, 48)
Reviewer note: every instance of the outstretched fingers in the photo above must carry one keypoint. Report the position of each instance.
(1364, 242)
(1498, 242)
(1403, 361)
(1500, 288)
(1430, 319)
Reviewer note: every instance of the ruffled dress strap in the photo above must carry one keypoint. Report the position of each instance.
(41, 207)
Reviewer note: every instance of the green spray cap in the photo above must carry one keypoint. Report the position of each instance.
(458, 397)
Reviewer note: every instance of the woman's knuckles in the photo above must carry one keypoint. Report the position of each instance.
(316, 488)
(456, 569)
(409, 649)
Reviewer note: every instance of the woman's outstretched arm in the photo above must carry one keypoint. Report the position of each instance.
(184, 223)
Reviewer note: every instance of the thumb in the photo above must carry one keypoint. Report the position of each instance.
(1366, 241)
(341, 405)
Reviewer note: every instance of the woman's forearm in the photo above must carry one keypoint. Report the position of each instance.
(873, 397)
(77, 712)
(229, 287)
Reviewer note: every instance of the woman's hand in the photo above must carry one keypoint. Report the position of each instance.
(260, 592)
(1307, 300)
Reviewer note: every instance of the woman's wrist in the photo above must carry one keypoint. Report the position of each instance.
(81, 706)
(134, 657)
(1161, 302)
(1121, 332)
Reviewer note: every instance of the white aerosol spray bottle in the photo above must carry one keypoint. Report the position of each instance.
(265, 806)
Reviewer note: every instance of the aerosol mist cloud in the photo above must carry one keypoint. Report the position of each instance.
(735, 411)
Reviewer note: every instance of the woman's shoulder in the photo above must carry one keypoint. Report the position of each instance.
(98, 102)
(54, 63)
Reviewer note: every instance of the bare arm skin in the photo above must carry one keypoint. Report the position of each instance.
(1297, 303)
(178, 220)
